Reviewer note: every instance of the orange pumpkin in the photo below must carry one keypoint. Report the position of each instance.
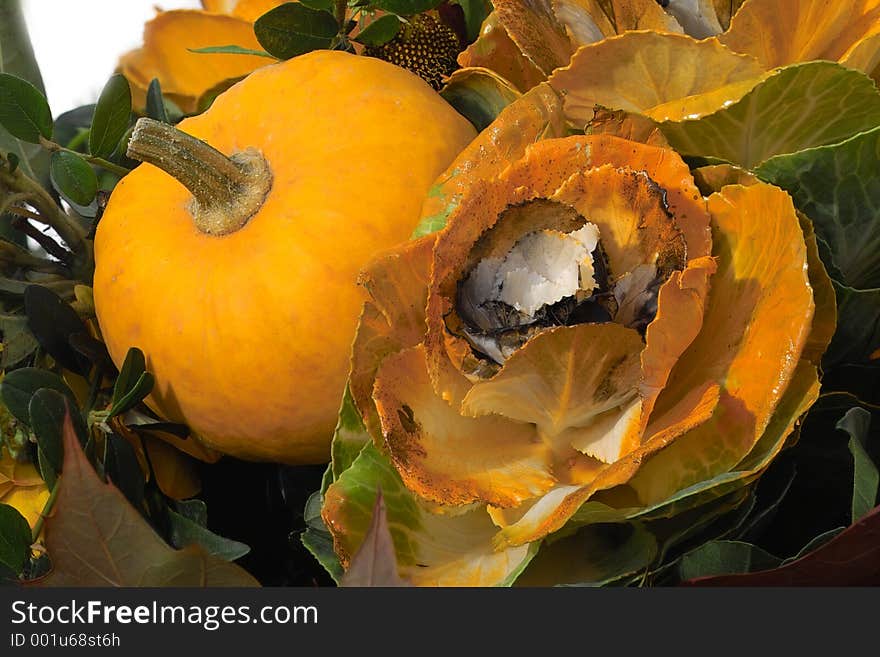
(242, 291)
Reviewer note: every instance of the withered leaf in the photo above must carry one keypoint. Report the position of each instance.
(94, 537)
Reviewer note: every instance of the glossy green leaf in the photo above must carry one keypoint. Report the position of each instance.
(725, 558)
(475, 12)
(20, 385)
(836, 186)
(24, 111)
(380, 31)
(406, 7)
(15, 538)
(73, 177)
(18, 341)
(858, 325)
(52, 322)
(478, 95)
(112, 116)
(134, 365)
(141, 388)
(866, 478)
(155, 103)
(47, 409)
(122, 468)
(185, 531)
(293, 29)
(798, 107)
(231, 50)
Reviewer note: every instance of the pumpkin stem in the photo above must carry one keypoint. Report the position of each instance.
(227, 191)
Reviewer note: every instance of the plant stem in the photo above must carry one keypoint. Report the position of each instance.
(54, 147)
(227, 191)
(47, 509)
(340, 8)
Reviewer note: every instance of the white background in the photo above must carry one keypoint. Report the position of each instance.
(77, 42)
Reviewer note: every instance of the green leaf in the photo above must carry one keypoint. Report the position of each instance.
(47, 410)
(406, 7)
(185, 532)
(320, 544)
(20, 385)
(155, 102)
(858, 325)
(380, 31)
(121, 467)
(53, 322)
(323, 5)
(96, 538)
(17, 58)
(195, 510)
(293, 29)
(475, 12)
(112, 116)
(866, 479)
(73, 177)
(18, 341)
(349, 438)
(724, 558)
(73, 125)
(231, 50)
(15, 538)
(836, 186)
(24, 111)
(478, 95)
(133, 383)
(597, 555)
(797, 107)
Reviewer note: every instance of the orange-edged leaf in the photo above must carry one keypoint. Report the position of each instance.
(626, 125)
(825, 316)
(96, 538)
(185, 76)
(496, 51)
(578, 384)
(712, 178)
(663, 76)
(754, 329)
(431, 549)
(780, 32)
(375, 562)
(535, 116)
(450, 459)
(588, 21)
(535, 29)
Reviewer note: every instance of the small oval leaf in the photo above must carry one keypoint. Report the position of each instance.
(15, 538)
(112, 115)
(52, 322)
(133, 366)
(73, 177)
(406, 7)
(155, 103)
(293, 29)
(231, 50)
(24, 111)
(133, 397)
(380, 31)
(20, 385)
(47, 409)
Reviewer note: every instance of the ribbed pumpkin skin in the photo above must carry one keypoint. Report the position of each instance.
(248, 334)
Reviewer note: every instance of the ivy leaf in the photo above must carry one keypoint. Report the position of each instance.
(866, 478)
(375, 563)
(96, 538)
(15, 538)
(20, 385)
(73, 177)
(53, 322)
(24, 111)
(155, 103)
(112, 116)
(293, 29)
(406, 7)
(380, 31)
